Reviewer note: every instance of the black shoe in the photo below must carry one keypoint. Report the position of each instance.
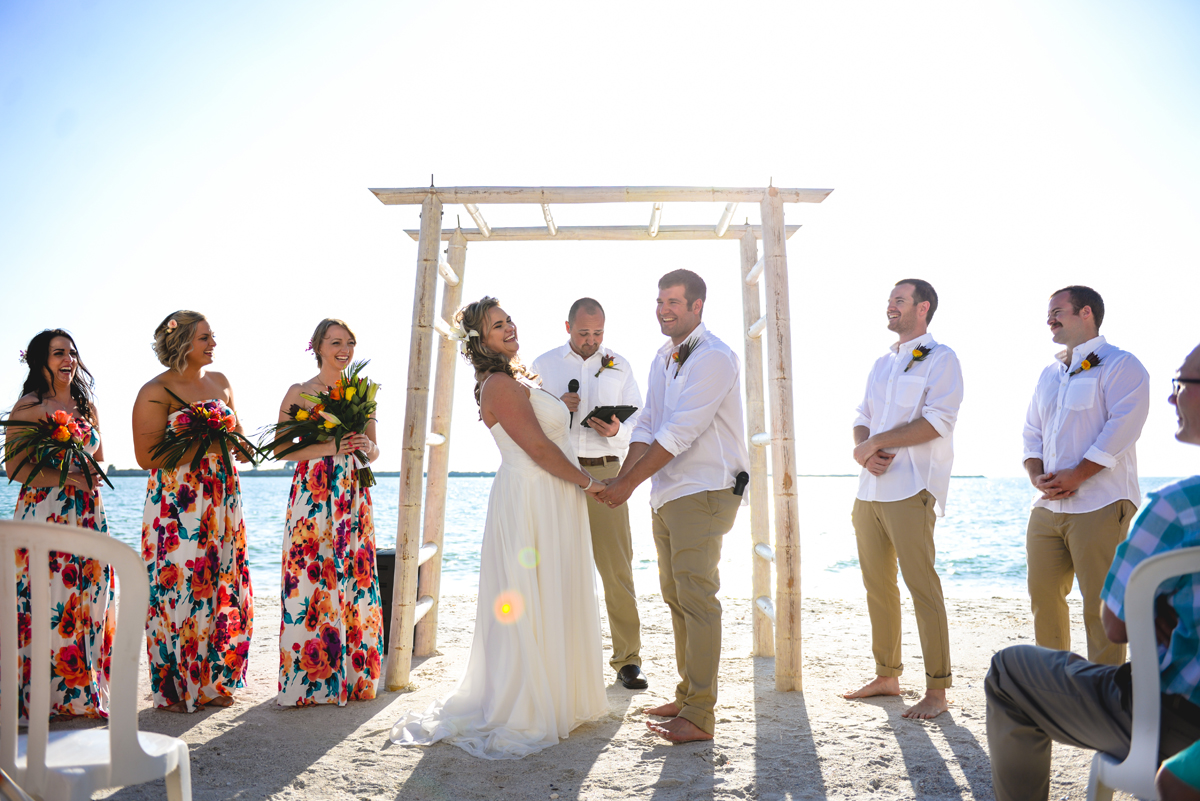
(632, 677)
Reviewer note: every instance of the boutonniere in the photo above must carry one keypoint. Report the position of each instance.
(1088, 363)
(607, 362)
(680, 356)
(918, 355)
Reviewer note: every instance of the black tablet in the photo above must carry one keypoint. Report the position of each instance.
(606, 413)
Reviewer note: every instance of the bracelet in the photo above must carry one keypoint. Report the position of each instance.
(591, 481)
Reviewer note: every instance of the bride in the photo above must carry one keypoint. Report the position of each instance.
(534, 670)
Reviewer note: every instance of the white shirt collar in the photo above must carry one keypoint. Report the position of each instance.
(698, 334)
(1073, 357)
(569, 351)
(924, 339)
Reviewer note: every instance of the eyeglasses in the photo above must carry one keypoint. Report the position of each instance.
(1177, 383)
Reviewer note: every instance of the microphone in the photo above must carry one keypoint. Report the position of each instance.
(572, 386)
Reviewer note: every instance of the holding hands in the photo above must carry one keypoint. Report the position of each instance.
(874, 460)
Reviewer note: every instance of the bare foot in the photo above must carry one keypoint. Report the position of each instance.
(220, 701)
(679, 730)
(932, 705)
(664, 711)
(881, 685)
(178, 706)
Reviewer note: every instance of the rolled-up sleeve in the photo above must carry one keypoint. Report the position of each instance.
(1032, 435)
(642, 430)
(944, 396)
(629, 397)
(708, 381)
(862, 415)
(1127, 395)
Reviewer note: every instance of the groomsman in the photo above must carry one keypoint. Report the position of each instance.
(904, 440)
(1086, 415)
(690, 442)
(602, 378)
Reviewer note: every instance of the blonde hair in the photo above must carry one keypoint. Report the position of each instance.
(319, 332)
(173, 343)
(473, 317)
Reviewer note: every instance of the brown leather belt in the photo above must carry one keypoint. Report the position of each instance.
(597, 461)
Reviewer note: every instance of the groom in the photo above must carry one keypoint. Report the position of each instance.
(689, 441)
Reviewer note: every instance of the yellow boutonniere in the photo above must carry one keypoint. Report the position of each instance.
(607, 362)
(1090, 361)
(918, 355)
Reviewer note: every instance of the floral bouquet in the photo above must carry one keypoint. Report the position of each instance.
(347, 408)
(201, 425)
(58, 441)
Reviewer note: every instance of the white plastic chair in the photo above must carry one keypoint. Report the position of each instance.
(1136, 774)
(74, 764)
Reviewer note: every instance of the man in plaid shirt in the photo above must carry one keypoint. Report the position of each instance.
(1036, 695)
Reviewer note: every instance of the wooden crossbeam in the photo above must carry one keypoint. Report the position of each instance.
(594, 194)
(612, 233)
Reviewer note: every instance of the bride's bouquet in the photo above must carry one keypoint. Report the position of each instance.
(201, 425)
(58, 441)
(347, 408)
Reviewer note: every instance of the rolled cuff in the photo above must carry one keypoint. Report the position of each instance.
(861, 421)
(1032, 455)
(1101, 458)
(670, 442)
(644, 437)
(939, 424)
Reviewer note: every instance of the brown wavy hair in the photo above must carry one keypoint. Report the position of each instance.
(314, 344)
(473, 317)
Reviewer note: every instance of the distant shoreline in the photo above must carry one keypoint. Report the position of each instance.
(281, 473)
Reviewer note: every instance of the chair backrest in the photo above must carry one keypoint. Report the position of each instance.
(1140, 590)
(40, 539)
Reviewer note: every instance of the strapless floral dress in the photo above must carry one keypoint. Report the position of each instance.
(201, 611)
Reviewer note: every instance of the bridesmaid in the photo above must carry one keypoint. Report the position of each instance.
(193, 539)
(81, 637)
(331, 633)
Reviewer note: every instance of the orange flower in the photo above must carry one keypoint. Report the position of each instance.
(70, 618)
(61, 418)
(168, 577)
(364, 690)
(61, 434)
(315, 662)
(70, 665)
(373, 663)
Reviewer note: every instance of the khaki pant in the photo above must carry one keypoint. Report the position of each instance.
(1060, 547)
(902, 531)
(1036, 695)
(688, 532)
(612, 547)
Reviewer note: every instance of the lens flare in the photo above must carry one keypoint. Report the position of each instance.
(529, 557)
(509, 607)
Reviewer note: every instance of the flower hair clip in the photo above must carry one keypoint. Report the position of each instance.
(308, 347)
(171, 324)
(459, 335)
(22, 357)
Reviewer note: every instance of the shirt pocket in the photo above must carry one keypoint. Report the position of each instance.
(908, 391)
(674, 389)
(1081, 394)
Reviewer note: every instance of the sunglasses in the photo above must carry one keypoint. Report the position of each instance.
(1177, 383)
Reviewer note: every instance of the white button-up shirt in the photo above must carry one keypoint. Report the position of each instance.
(695, 413)
(1096, 414)
(614, 386)
(931, 388)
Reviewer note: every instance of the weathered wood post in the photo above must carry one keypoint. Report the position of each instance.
(788, 664)
(760, 523)
(416, 414)
(430, 576)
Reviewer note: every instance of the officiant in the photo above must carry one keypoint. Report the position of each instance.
(586, 375)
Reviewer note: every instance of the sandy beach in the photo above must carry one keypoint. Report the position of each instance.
(769, 745)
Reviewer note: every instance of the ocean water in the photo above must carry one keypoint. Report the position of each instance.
(980, 542)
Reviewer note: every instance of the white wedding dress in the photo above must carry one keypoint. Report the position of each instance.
(534, 672)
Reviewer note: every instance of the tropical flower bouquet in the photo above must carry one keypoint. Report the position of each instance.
(58, 441)
(201, 425)
(347, 408)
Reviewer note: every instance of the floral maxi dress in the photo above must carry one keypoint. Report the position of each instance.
(331, 632)
(201, 610)
(81, 607)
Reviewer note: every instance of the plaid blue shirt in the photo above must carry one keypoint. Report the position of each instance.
(1171, 520)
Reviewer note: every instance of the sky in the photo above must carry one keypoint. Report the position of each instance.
(218, 157)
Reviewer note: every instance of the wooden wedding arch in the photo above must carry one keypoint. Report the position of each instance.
(419, 538)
